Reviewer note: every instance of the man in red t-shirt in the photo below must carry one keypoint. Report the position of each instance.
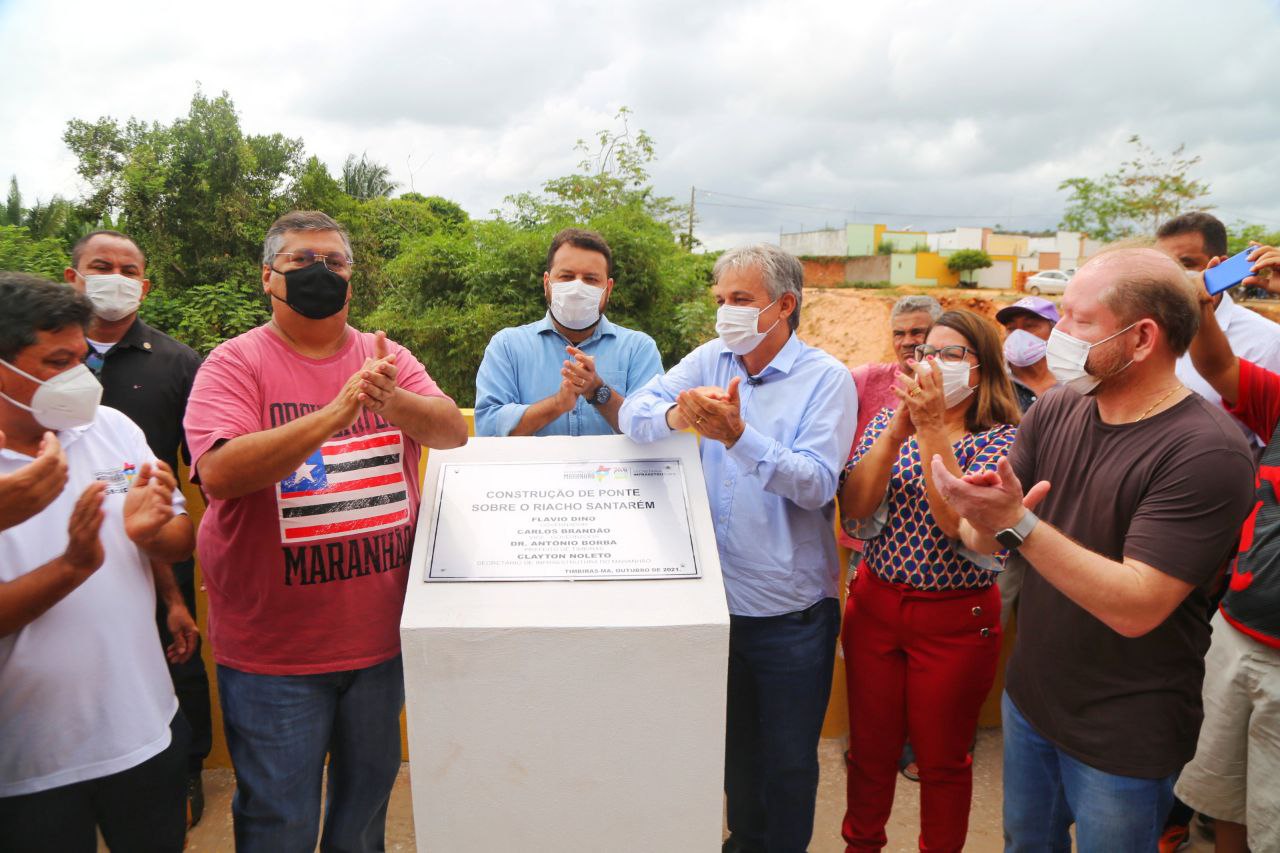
(1232, 777)
(305, 435)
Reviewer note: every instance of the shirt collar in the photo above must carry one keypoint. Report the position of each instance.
(603, 328)
(138, 336)
(782, 362)
(66, 437)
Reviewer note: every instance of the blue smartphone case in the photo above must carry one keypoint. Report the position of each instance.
(1229, 273)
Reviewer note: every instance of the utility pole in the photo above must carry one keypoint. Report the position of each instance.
(692, 194)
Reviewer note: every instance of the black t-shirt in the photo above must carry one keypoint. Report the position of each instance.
(148, 376)
(1169, 491)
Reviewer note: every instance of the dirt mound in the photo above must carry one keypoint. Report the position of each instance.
(853, 325)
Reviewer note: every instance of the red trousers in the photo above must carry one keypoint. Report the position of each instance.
(919, 665)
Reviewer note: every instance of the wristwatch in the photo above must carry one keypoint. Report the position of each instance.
(603, 394)
(1013, 537)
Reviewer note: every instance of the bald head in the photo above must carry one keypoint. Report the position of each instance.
(1141, 283)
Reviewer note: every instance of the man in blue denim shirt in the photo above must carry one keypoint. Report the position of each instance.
(776, 418)
(568, 373)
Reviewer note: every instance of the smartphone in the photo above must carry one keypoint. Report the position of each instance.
(1229, 273)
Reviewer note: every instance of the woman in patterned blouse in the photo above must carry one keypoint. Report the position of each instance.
(922, 625)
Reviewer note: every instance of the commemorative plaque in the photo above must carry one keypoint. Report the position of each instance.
(593, 520)
(524, 698)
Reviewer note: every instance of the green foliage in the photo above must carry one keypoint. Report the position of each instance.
(205, 315)
(364, 179)
(12, 213)
(20, 251)
(965, 261)
(888, 247)
(865, 285)
(1241, 235)
(614, 174)
(198, 195)
(1135, 198)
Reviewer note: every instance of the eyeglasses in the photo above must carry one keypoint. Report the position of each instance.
(336, 262)
(950, 354)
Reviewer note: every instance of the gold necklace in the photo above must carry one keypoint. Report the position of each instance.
(1177, 387)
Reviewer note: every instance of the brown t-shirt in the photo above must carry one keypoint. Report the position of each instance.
(1169, 491)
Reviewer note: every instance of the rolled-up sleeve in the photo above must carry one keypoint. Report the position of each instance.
(497, 408)
(807, 472)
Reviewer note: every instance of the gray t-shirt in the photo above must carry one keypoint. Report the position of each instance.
(1169, 491)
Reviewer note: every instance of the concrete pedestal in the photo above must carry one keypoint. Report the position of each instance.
(565, 716)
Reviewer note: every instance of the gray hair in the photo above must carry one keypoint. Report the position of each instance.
(912, 304)
(781, 270)
(301, 220)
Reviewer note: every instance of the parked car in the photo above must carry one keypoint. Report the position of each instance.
(1049, 281)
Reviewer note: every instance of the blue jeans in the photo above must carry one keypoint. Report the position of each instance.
(279, 730)
(779, 683)
(1046, 790)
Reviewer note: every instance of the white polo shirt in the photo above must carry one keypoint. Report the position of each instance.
(1252, 337)
(84, 689)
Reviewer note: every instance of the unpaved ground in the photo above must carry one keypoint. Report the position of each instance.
(853, 325)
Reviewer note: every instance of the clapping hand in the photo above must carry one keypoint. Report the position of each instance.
(580, 372)
(713, 412)
(149, 505)
(922, 395)
(84, 552)
(989, 500)
(378, 377)
(33, 487)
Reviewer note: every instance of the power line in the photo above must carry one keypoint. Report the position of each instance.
(859, 212)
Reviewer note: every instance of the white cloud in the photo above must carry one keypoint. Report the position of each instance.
(927, 113)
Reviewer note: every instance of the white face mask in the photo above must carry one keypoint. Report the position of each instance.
(955, 379)
(66, 401)
(1023, 349)
(114, 296)
(738, 327)
(575, 304)
(1067, 357)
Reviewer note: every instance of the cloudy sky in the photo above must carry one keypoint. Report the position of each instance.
(783, 114)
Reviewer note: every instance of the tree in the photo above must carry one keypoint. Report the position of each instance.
(364, 179)
(12, 213)
(1135, 198)
(612, 175)
(964, 261)
(1240, 235)
(197, 195)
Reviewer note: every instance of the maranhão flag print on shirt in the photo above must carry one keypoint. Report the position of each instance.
(348, 486)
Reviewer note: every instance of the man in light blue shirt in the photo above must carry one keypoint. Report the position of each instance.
(527, 386)
(776, 418)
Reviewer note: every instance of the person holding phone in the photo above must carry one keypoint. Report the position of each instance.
(1123, 496)
(922, 622)
(1193, 240)
(1232, 777)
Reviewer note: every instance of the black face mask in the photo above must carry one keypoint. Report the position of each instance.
(315, 292)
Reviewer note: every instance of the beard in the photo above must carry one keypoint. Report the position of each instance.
(1110, 363)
